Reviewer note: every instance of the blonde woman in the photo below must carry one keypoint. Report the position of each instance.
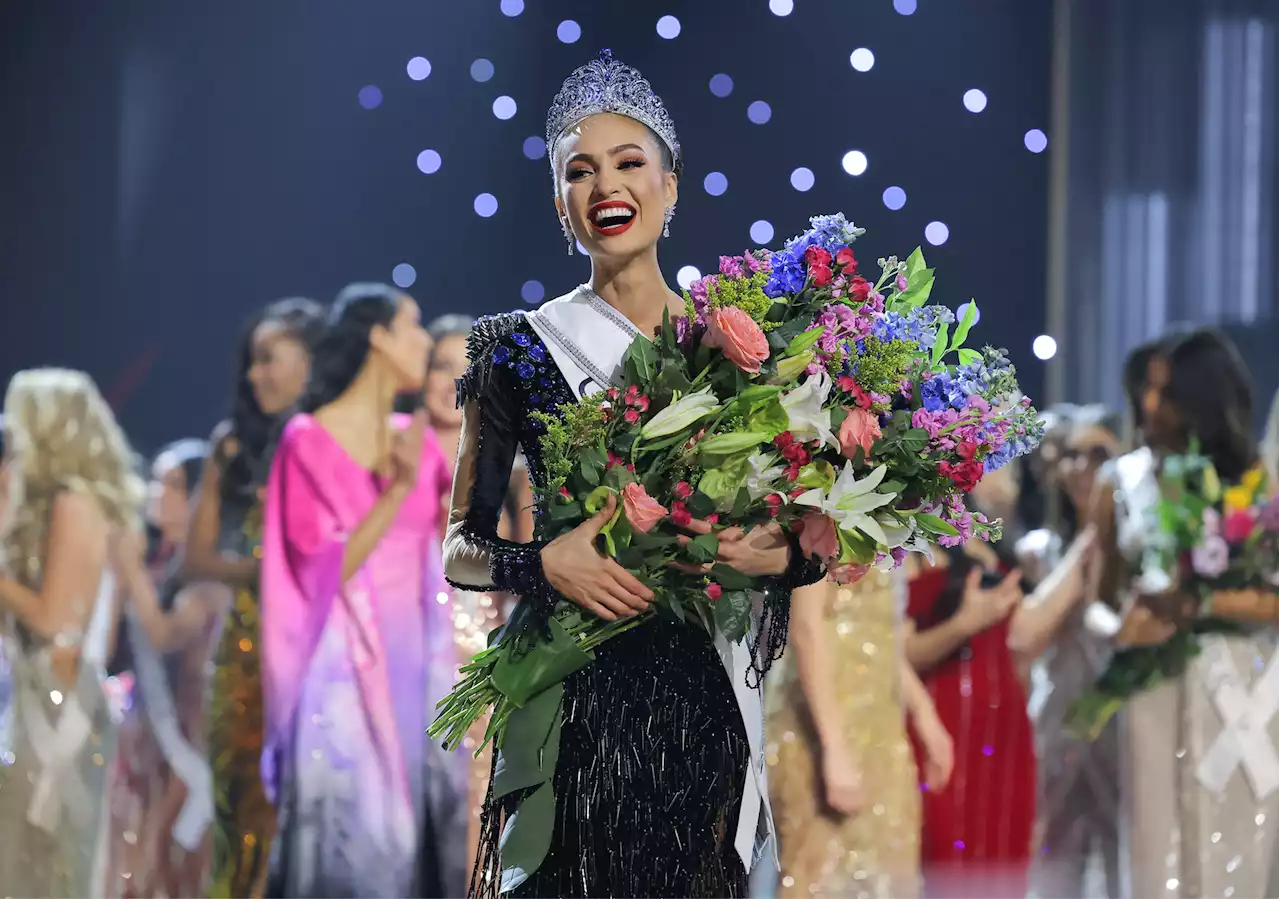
(73, 488)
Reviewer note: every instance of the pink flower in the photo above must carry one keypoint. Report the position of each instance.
(713, 591)
(1237, 527)
(818, 536)
(631, 416)
(682, 490)
(844, 258)
(848, 573)
(738, 337)
(1211, 557)
(641, 509)
(859, 429)
(680, 515)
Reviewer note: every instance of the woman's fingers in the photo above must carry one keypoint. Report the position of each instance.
(595, 608)
(620, 600)
(628, 580)
(698, 526)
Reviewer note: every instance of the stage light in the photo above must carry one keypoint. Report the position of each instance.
(403, 275)
(1035, 140)
(975, 100)
(686, 276)
(963, 309)
(936, 233)
(485, 205)
(428, 162)
(504, 107)
(904, 7)
(481, 70)
(721, 85)
(781, 7)
(511, 8)
(418, 68)
(715, 184)
(534, 147)
(1044, 347)
(894, 198)
(532, 292)
(759, 112)
(854, 162)
(669, 27)
(862, 59)
(568, 31)
(761, 232)
(802, 179)
(370, 96)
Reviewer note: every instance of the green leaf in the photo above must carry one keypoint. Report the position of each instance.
(618, 477)
(676, 607)
(519, 676)
(591, 463)
(703, 548)
(526, 838)
(917, 293)
(939, 345)
(631, 557)
(740, 503)
(623, 442)
(733, 442)
(530, 744)
(756, 395)
(732, 613)
(700, 505)
(731, 578)
(565, 512)
(803, 341)
(969, 357)
(932, 524)
(596, 499)
(966, 322)
(642, 359)
(915, 440)
(891, 487)
(915, 263)
(769, 419)
(721, 483)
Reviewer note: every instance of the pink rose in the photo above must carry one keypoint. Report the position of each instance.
(738, 337)
(818, 537)
(641, 509)
(859, 429)
(848, 573)
(1237, 527)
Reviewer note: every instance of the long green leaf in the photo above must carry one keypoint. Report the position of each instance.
(966, 322)
(939, 345)
(526, 838)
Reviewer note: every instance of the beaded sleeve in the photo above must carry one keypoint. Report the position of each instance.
(770, 638)
(475, 557)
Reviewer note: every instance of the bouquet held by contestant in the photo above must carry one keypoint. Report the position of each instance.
(1207, 539)
(793, 389)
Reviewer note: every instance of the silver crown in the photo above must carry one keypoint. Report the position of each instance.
(607, 85)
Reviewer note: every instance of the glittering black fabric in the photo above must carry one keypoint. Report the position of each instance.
(653, 752)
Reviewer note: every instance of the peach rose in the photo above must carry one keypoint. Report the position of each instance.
(859, 428)
(641, 509)
(848, 573)
(818, 537)
(738, 337)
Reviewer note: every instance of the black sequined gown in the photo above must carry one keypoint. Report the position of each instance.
(653, 749)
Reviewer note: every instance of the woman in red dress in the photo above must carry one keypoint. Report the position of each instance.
(974, 640)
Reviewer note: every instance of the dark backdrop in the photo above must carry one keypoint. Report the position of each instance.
(169, 166)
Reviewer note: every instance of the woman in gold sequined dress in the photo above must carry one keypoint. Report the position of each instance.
(842, 776)
(224, 545)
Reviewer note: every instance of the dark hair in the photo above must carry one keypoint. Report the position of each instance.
(451, 324)
(666, 158)
(1135, 377)
(343, 349)
(252, 428)
(1212, 390)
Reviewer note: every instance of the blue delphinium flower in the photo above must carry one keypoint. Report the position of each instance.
(786, 274)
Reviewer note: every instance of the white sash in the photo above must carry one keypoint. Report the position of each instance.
(587, 338)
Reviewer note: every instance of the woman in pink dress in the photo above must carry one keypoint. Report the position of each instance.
(356, 631)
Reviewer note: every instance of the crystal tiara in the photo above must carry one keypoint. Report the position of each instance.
(607, 85)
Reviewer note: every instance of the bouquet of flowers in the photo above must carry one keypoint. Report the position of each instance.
(793, 389)
(1206, 539)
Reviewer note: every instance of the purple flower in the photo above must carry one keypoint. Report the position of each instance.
(684, 330)
(901, 282)
(731, 267)
(1211, 557)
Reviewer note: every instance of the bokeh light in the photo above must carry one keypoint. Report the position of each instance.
(936, 233)
(862, 59)
(534, 147)
(403, 275)
(686, 276)
(1035, 140)
(669, 27)
(568, 31)
(963, 309)
(975, 100)
(904, 7)
(761, 232)
(802, 179)
(504, 107)
(1044, 347)
(532, 292)
(759, 112)
(418, 68)
(481, 70)
(370, 96)
(854, 162)
(721, 85)
(715, 183)
(894, 197)
(781, 7)
(511, 8)
(485, 205)
(428, 162)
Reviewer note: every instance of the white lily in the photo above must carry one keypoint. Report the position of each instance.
(683, 412)
(851, 501)
(806, 419)
(761, 473)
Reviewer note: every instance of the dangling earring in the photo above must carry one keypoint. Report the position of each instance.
(568, 235)
(666, 221)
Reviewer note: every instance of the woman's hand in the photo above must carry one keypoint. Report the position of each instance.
(1142, 627)
(982, 607)
(760, 552)
(128, 550)
(1172, 606)
(406, 453)
(574, 567)
(841, 781)
(939, 757)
